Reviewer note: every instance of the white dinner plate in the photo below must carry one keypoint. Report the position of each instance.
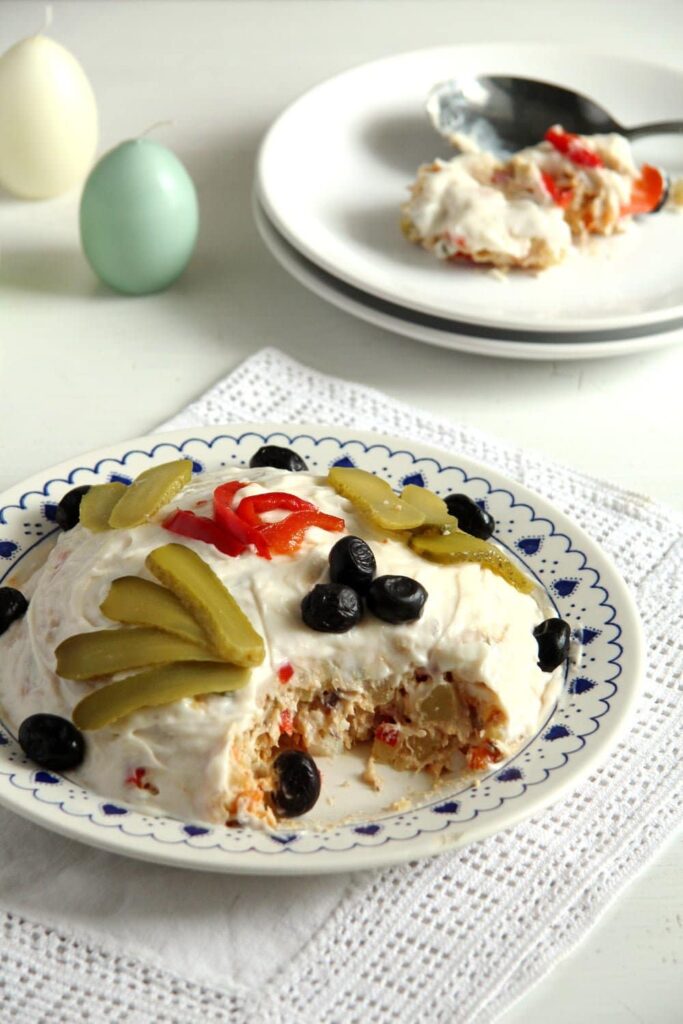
(358, 829)
(334, 168)
(460, 337)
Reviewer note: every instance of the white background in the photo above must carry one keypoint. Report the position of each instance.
(81, 367)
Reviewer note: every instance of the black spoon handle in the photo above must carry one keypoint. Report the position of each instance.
(658, 128)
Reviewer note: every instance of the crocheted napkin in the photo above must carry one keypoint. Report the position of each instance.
(94, 936)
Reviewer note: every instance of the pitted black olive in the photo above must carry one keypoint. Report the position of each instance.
(69, 508)
(553, 638)
(352, 563)
(279, 458)
(471, 519)
(298, 785)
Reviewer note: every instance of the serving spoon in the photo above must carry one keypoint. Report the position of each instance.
(502, 113)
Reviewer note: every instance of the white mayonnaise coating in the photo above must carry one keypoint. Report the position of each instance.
(458, 201)
(474, 624)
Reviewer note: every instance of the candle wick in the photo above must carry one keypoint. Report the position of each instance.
(153, 127)
(47, 19)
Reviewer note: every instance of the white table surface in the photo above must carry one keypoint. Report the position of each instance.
(81, 367)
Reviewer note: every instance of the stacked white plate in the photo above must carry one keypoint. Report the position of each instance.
(334, 168)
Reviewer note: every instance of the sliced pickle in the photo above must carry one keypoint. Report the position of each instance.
(138, 602)
(430, 505)
(149, 492)
(196, 585)
(158, 686)
(106, 651)
(97, 505)
(453, 547)
(375, 499)
(439, 705)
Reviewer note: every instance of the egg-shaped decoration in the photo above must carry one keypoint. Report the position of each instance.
(139, 217)
(48, 119)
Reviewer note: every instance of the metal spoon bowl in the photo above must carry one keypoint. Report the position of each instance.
(503, 113)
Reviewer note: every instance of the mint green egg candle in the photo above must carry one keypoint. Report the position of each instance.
(139, 217)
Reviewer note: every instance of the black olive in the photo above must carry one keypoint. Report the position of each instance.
(69, 508)
(298, 786)
(279, 458)
(331, 608)
(471, 519)
(396, 598)
(353, 563)
(552, 637)
(13, 605)
(52, 742)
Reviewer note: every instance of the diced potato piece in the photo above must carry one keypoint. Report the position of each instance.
(196, 585)
(455, 546)
(97, 505)
(440, 704)
(431, 505)
(374, 498)
(384, 753)
(425, 748)
(149, 492)
(106, 651)
(158, 686)
(138, 602)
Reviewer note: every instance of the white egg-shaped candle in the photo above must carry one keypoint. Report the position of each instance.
(48, 119)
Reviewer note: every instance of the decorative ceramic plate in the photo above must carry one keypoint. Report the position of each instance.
(354, 828)
(334, 169)
(450, 334)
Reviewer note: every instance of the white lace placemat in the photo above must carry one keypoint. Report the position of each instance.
(90, 936)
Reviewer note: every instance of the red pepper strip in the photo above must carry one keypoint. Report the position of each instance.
(568, 144)
(647, 191)
(226, 492)
(229, 521)
(187, 524)
(286, 722)
(286, 537)
(249, 509)
(387, 733)
(285, 672)
(560, 196)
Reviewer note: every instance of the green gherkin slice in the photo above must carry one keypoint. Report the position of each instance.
(97, 505)
(454, 547)
(201, 592)
(149, 492)
(431, 505)
(158, 686)
(138, 602)
(106, 651)
(375, 499)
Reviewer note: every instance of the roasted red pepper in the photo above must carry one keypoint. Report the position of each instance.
(229, 521)
(285, 672)
(387, 733)
(647, 192)
(250, 509)
(233, 531)
(286, 537)
(226, 492)
(479, 757)
(560, 196)
(569, 145)
(188, 524)
(286, 722)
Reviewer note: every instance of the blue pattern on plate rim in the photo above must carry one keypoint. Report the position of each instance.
(578, 596)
